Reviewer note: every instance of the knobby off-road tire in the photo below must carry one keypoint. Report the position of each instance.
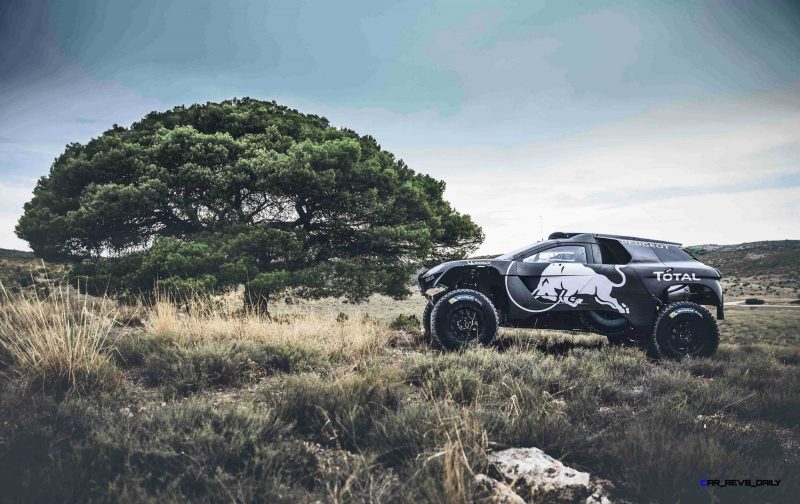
(461, 317)
(426, 322)
(427, 334)
(685, 329)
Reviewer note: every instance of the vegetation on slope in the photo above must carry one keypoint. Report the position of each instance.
(343, 409)
(779, 257)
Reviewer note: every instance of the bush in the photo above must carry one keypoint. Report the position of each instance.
(340, 413)
(458, 383)
(409, 323)
(754, 301)
(184, 370)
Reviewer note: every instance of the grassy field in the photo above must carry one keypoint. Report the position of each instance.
(101, 403)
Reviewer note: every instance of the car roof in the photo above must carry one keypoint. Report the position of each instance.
(583, 237)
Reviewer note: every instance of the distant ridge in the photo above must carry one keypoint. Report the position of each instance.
(779, 257)
(713, 247)
(16, 254)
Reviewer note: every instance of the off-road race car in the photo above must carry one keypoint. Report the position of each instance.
(632, 290)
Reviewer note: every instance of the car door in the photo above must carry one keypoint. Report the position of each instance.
(548, 279)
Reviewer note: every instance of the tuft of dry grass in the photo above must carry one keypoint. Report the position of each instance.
(465, 440)
(58, 342)
(202, 322)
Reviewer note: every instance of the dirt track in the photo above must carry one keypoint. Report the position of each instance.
(741, 304)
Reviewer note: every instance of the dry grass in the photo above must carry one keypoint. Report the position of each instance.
(465, 439)
(229, 405)
(59, 341)
(201, 322)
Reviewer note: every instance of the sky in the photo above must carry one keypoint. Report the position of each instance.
(675, 119)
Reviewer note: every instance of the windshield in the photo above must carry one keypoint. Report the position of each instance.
(510, 255)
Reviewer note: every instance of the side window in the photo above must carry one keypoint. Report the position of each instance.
(612, 252)
(564, 253)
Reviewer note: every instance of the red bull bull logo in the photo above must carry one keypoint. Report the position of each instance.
(571, 284)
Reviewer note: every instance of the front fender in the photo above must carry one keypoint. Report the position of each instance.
(449, 273)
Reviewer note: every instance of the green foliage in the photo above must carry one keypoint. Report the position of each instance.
(182, 371)
(110, 452)
(778, 257)
(337, 413)
(241, 192)
(405, 322)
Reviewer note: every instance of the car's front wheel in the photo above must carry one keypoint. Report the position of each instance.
(685, 329)
(426, 323)
(426, 327)
(461, 317)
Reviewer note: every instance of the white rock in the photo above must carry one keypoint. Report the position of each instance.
(499, 491)
(539, 474)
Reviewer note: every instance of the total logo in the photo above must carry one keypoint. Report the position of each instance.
(662, 276)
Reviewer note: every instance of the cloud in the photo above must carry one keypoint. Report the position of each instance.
(557, 60)
(626, 119)
(699, 171)
(13, 195)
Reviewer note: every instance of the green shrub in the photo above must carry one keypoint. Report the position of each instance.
(339, 413)
(184, 370)
(408, 323)
(192, 451)
(459, 383)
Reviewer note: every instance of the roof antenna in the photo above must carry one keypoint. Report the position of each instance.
(541, 229)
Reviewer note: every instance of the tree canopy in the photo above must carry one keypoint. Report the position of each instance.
(241, 192)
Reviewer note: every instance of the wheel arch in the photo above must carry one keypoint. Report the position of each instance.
(702, 293)
(484, 278)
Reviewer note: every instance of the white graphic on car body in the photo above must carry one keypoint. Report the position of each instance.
(663, 276)
(564, 282)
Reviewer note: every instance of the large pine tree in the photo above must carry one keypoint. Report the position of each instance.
(241, 192)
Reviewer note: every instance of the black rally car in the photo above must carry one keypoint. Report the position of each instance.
(633, 290)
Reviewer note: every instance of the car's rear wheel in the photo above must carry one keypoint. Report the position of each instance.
(685, 329)
(461, 317)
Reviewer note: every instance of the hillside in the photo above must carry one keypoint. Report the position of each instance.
(752, 259)
(16, 255)
(765, 269)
